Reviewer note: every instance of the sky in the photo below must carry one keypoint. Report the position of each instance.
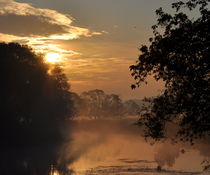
(96, 40)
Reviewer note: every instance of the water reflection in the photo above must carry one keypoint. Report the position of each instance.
(116, 147)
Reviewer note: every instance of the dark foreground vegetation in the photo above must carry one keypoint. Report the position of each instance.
(178, 54)
(34, 104)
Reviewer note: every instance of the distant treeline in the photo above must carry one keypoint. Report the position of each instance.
(97, 104)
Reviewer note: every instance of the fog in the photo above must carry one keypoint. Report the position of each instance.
(117, 144)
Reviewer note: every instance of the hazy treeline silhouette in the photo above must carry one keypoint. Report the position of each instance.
(96, 104)
(35, 102)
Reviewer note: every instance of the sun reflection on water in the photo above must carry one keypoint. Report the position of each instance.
(54, 171)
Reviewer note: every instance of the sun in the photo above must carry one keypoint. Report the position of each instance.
(52, 57)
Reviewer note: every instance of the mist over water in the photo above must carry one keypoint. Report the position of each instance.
(116, 146)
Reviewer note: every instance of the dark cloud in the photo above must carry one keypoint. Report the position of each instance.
(28, 25)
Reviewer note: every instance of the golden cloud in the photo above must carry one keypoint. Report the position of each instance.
(40, 42)
(25, 9)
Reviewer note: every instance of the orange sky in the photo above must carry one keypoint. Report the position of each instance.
(97, 40)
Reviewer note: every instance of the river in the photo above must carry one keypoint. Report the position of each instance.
(116, 147)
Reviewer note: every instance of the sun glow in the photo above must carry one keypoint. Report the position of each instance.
(52, 57)
(56, 173)
(53, 171)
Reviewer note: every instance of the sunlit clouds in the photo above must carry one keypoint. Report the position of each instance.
(9, 7)
(24, 9)
(50, 25)
(92, 41)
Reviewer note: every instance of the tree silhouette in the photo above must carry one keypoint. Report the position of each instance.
(97, 104)
(131, 108)
(178, 54)
(34, 104)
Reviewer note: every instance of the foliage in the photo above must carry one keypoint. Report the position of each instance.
(178, 54)
(131, 108)
(97, 104)
(34, 103)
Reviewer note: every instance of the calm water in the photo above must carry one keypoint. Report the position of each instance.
(116, 147)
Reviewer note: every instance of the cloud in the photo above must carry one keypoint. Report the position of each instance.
(84, 67)
(38, 27)
(53, 17)
(28, 26)
(8, 38)
(25, 9)
(10, 7)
